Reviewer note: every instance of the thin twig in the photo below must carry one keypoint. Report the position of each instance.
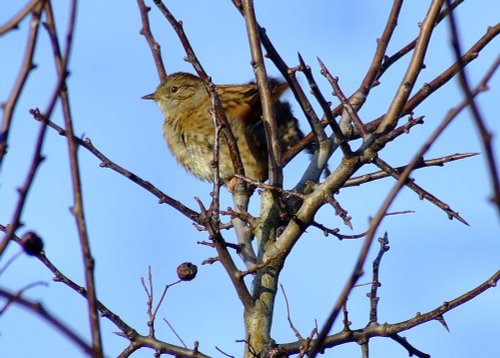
(107, 163)
(173, 330)
(422, 193)
(382, 43)
(260, 266)
(413, 70)
(26, 68)
(390, 60)
(15, 222)
(42, 312)
(327, 112)
(384, 247)
(346, 104)
(270, 126)
(288, 316)
(340, 211)
(227, 355)
(61, 60)
(439, 162)
(307, 345)
(153, 45)
(412, 351)
(439, 81)
(345, 313)
(325, 106)
(286, 193)
(137, 341)
(20, 292)
(214, 206)
(485, 134)
(226, 259)
(418, 156)
(163, 294)
(390, 329)
(13, 23)
(149, 289)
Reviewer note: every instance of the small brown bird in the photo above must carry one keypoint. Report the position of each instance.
(189, 129)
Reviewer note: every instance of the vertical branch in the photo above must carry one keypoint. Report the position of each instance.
(413, 70)
(356, 274)
(476, 115)
(153, 45)
(270, 126)
(258, 320)
(384, 247)
(78, 210)
(382, 43)
(26, 68)
(23, 191)
(215, 161)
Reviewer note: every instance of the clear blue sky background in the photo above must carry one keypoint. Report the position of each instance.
(431, 260)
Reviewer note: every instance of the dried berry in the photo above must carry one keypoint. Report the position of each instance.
(187, 271)
(32, 243)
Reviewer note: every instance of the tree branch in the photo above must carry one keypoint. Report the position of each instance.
(413, 70)
(485, 135)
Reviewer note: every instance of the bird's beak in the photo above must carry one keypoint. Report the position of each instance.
(149, 96)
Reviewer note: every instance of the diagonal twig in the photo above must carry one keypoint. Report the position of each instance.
(422, 193)
(485, 134)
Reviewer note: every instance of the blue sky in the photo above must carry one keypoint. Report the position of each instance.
(431, 260)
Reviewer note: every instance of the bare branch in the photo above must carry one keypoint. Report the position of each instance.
(270, 125)
(485, 134)
(421, 164)
(24, 189)
(13, 23)
(412, 351)
(26, 67)
(346, 104)
(390, 60)
(391, 329)
(384, 247)
(61, 60)
(107, 163)
(288, 316)
(430, 87)
(153, 45)
(413, 70)
(226, 260)
(39, 310)
(382, 43)
(417, 157)
(422, 193)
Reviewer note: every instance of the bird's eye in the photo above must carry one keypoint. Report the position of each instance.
(174, 89)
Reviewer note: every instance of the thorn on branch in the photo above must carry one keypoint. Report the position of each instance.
(210, 260)
(441, 320)
(265, 263)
